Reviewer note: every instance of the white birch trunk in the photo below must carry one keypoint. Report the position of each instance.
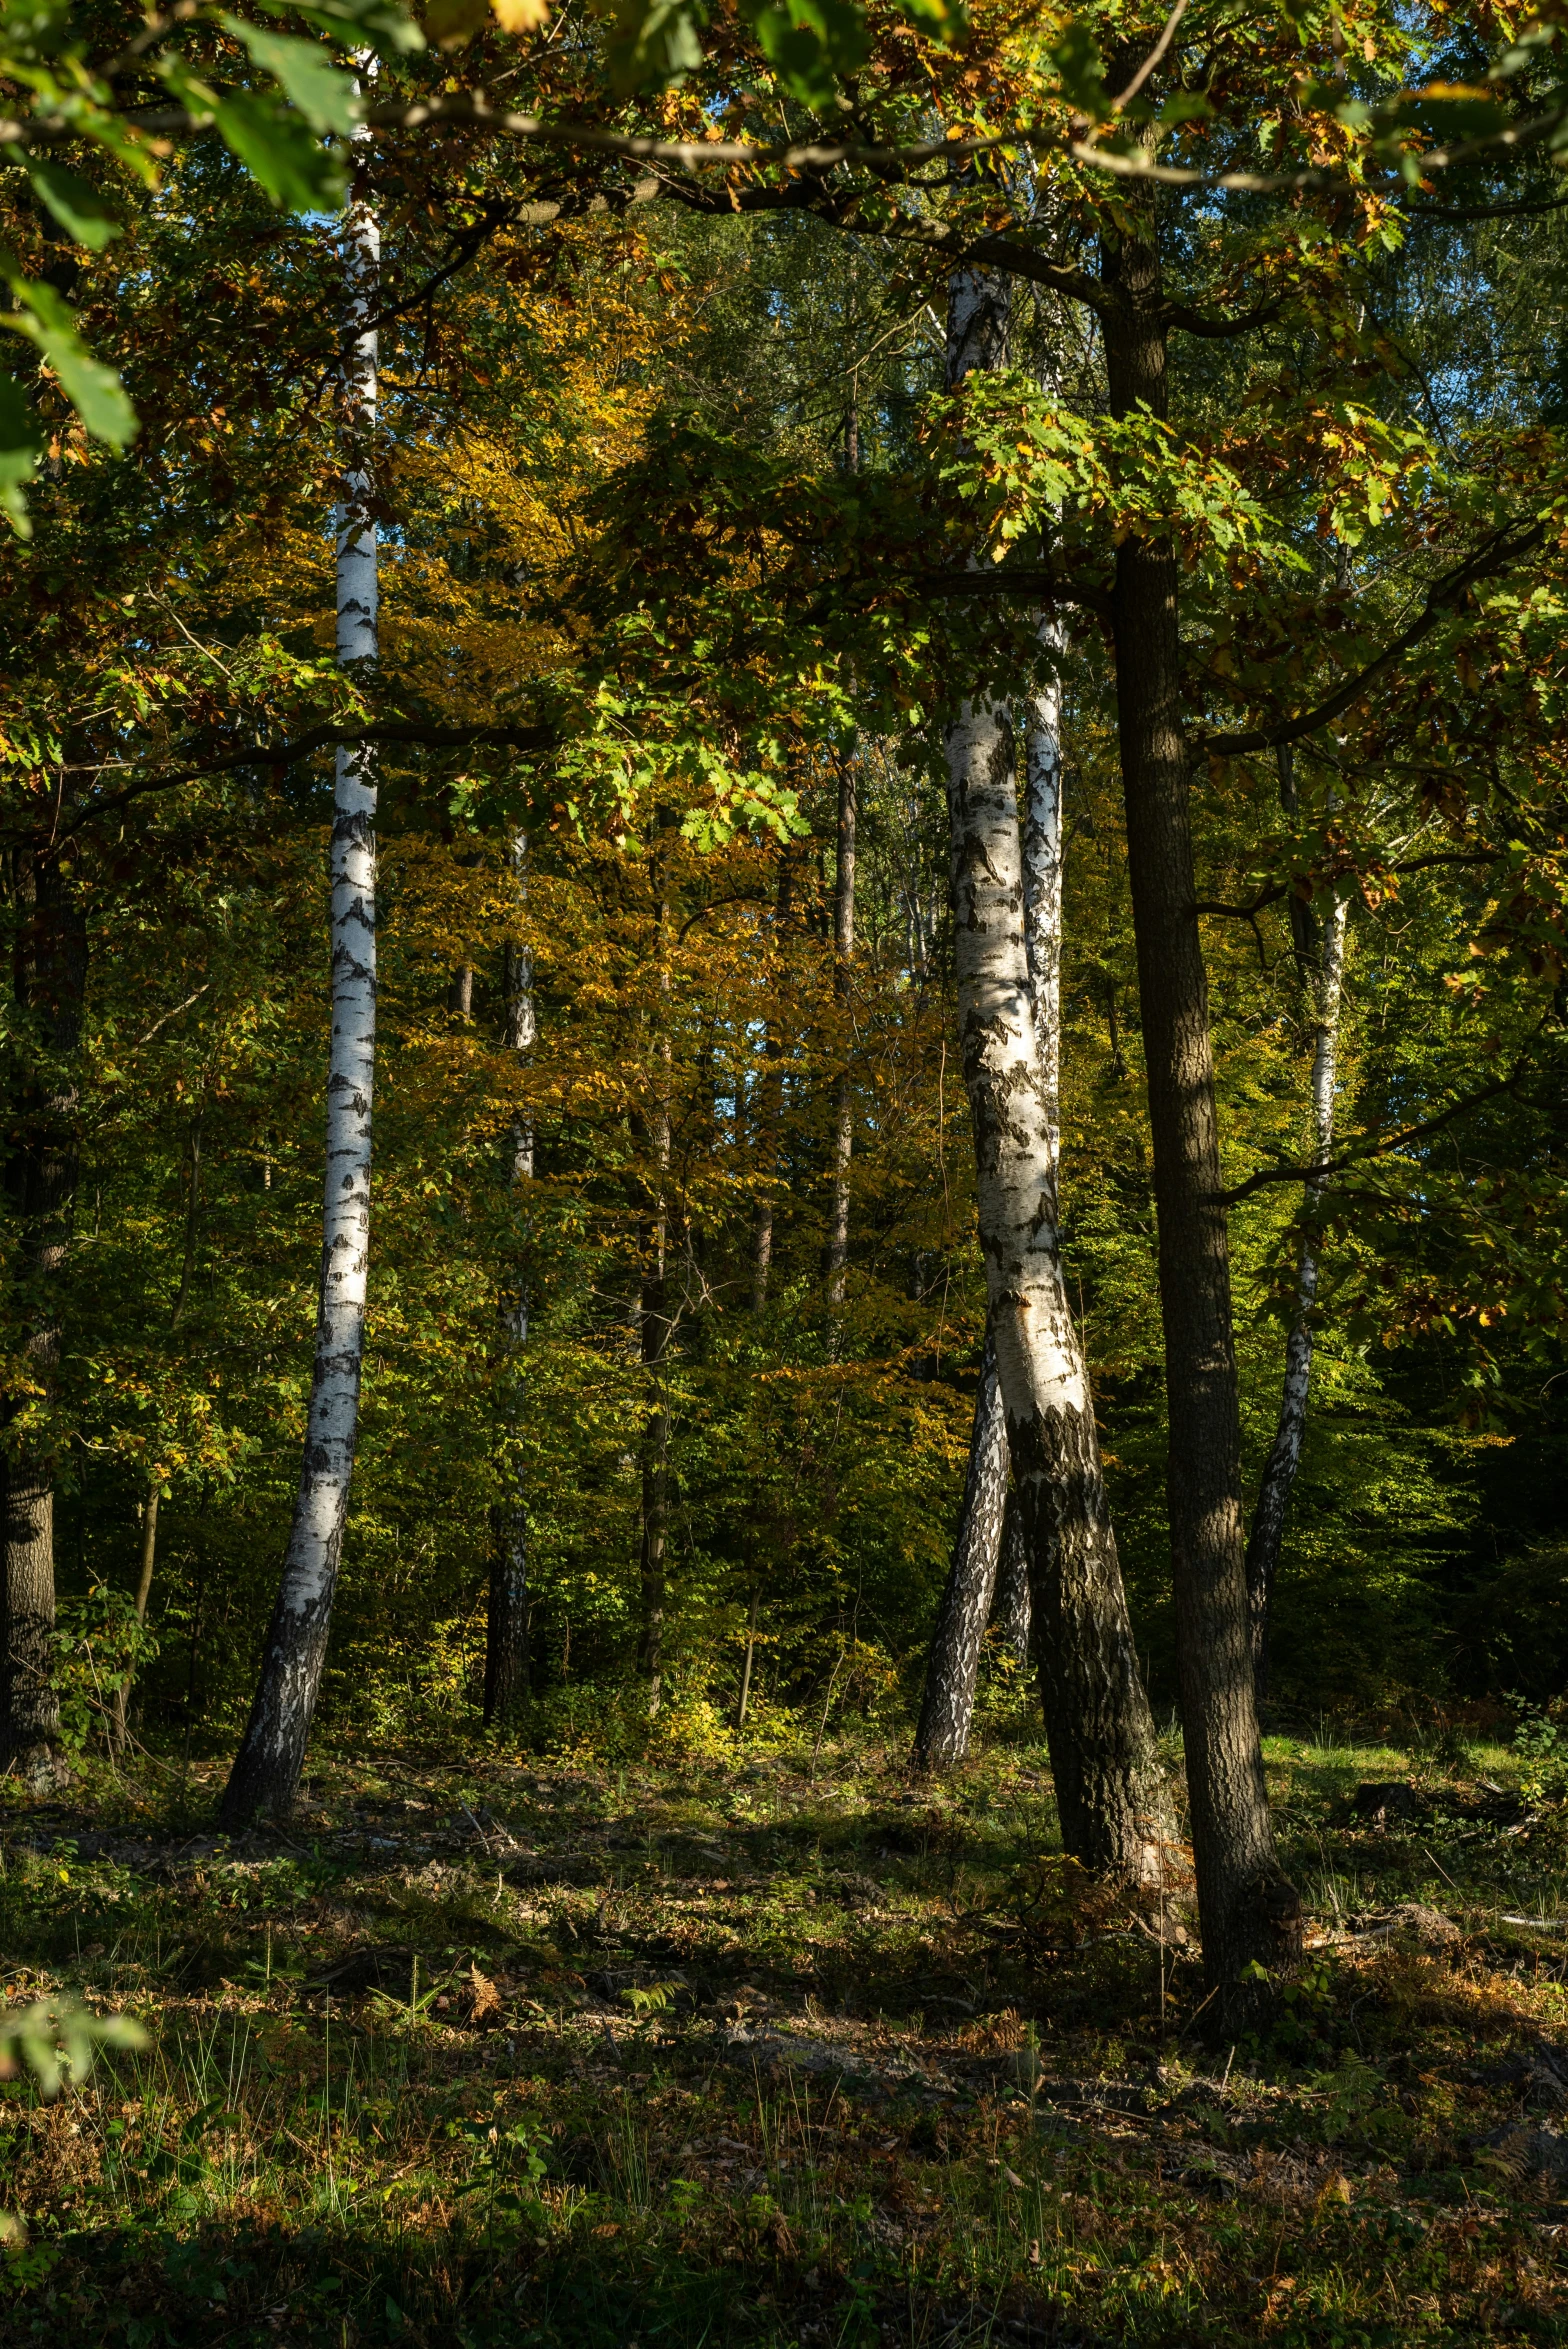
(507, 1616)
(267, 1768)
(1279, 1472)
(844, 1097)
(1109, 1791)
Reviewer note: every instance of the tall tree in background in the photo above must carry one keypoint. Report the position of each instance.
(267, 1767)
(507, 1615)
(1320, 966)
(49, 981)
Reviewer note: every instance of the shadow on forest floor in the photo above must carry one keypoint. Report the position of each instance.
(480, 2054)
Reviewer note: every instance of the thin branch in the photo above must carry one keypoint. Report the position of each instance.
(1377, 1149)
(1155, 58)
(288, 754)
(1495, 555)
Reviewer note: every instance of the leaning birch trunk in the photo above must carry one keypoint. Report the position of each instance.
(507, 1616)
(1109, 1789)
(844, 1098)
(122, 1695)
(953, 1667)
(1279, 1473)
(51, 971)
(267, 1768)
(986, 1583)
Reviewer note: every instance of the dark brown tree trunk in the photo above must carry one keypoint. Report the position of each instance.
(947, 1706)
(50, 976)
(1248, 1910)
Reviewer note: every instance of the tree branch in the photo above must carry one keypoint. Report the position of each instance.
(1376, 1149)
(1495, 555)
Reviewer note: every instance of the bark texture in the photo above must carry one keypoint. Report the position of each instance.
(508, 1612)
(1325, 970)
(49, 981)
(953, 1667)
(1098, 1727)
(770, 1110)
(1248, 1911)
(844, 1099)
(1012, 1614)
(267, 1768)
(653, 1318)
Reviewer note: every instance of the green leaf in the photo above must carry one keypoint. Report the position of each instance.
(810, 44)
(653, 44)
(77, 205)
(94, 390)
(1077, 59)
(327, 98)
(21, 446)
(357, 23)
(277, 149)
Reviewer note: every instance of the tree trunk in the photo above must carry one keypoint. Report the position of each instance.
(947, 1706)
(770, 1113)
(50, 979)
(1098, 1727)
(508, 1612)
(1326, 969)
(844, 1101)
(1011, 1612)
(1249, 1912)
(267, 1768)
(122, 1698)
(654, 1335)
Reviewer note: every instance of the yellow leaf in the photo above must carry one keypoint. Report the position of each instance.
(520, 16)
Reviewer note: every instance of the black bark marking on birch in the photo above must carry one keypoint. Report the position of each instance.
(1248, 1912)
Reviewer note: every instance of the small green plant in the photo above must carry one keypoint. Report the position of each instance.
(1541, 1743)
(656, 1999)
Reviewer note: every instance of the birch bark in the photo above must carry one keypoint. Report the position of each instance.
(507, 1615)
(266, 1771)
(770, 1105)
(988, 1579)
(1098, 1727)
(1279, 1471)
(952, 1669)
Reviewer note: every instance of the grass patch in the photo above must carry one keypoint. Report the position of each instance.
(736, 2053)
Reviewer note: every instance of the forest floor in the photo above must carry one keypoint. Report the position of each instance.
(482, 2054)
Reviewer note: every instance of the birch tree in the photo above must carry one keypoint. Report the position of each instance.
(1321, 962)
(267, 1768)
(1109, 1789)
(507, 1614)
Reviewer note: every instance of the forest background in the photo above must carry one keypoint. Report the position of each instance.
(658, 475)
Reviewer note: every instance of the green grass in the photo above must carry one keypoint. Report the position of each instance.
(972, 2108)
